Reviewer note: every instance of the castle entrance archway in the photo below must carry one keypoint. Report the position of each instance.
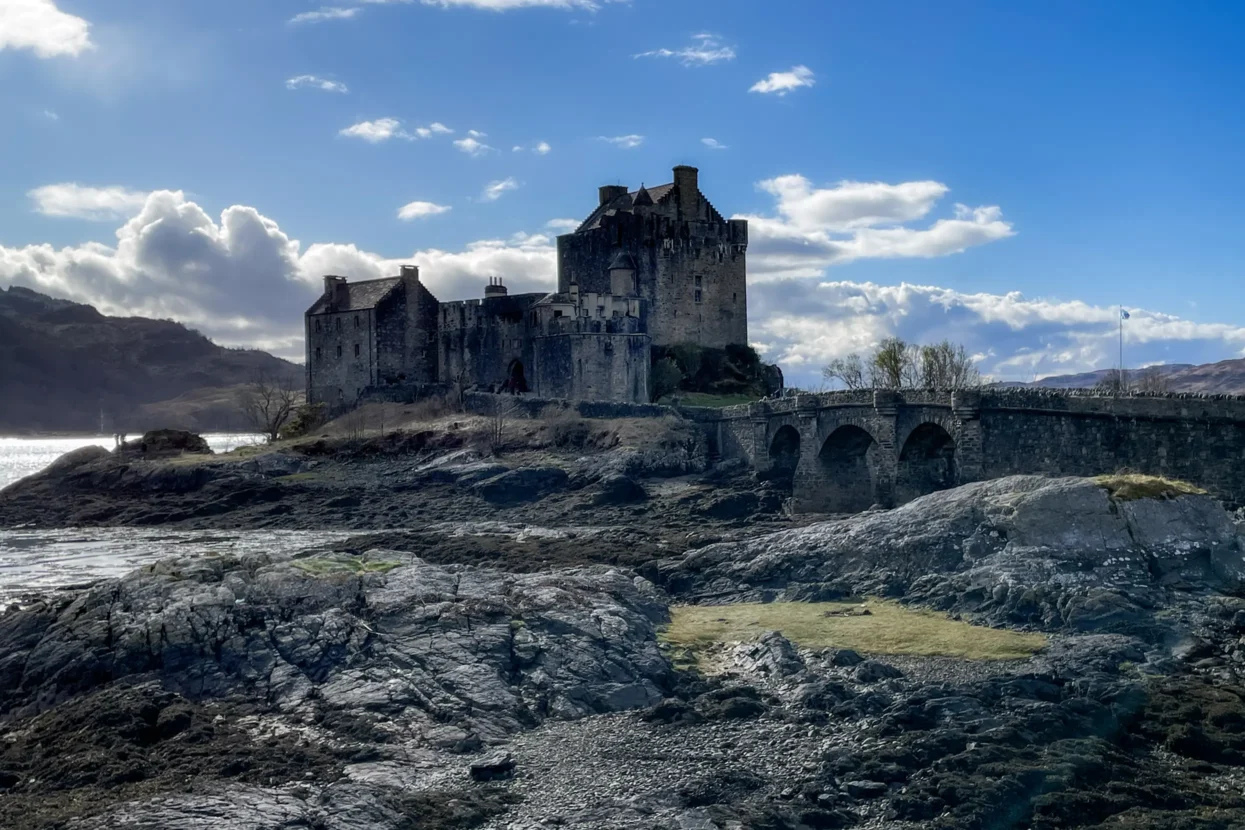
(926, 463)
(515, 380)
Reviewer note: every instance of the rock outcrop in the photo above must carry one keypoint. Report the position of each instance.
(1054, 553)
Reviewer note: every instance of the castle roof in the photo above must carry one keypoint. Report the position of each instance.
(626, 201)
(358, 296)
(622, 259)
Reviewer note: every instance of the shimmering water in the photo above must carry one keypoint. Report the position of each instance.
(19, 457)
(38, 561)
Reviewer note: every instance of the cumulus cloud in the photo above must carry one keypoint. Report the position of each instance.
(38, 25)
(72, 200)
(817, 227)
(542, 148)
(713, 144)
(326, 13)
(704, 49)
(316, 82)
(420, 210)
(471, 145)
(627, 142)
(780, 83)
(374, 132)
(435, 128)
(803, 324)
(495, 190)
(562, 225)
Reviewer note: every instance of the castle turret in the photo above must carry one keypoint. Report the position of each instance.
(622, 274)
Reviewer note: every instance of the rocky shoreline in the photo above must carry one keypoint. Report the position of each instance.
(490, 651)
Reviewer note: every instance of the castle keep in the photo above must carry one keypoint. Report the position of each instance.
(654, 266)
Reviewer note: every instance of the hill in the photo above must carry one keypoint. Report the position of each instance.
(1227, 377)
(66, 363)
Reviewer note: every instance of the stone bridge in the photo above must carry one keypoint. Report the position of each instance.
(845, 451)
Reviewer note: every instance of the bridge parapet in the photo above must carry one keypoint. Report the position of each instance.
(886, 446)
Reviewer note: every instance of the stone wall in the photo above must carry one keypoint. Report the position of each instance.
(341, 358)
(482, 342)
(857, 448)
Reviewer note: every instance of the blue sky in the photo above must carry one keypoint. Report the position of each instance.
(999, 173)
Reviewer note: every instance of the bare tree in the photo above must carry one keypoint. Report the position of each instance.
(894, 365)
(947, 365)
(1150, 379)
(1115, 381)
(268, 402)
(504, 409)
(849, 371)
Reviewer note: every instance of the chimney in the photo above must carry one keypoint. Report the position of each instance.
(610, 192)
(494, 288)
(410, 272)
(335, 290)
(687, 184)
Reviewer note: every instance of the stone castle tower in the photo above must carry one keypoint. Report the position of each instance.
(669, 246)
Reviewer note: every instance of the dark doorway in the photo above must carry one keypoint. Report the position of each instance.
(515, 383)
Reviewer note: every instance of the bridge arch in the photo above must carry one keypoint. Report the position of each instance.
(847, 471)
(784, 454)
(927, 462)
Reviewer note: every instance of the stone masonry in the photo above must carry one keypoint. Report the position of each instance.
(653, 266)
(846, 451)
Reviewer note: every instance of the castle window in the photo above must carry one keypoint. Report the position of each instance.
(698, 295)
(557, 312)
(356, 349)
(338, 321)
(734, 297)
(698, 282)
(601, 311)
(317, 353)
(339, 351)
(356, 321)
(317, 325)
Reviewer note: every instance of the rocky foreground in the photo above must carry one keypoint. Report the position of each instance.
(482, 673)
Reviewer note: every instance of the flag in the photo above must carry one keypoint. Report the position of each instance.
(1123, 314)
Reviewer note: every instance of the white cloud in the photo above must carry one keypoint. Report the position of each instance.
(326, 13)
(476, 134)
(471, 146)
(40, 26)
(316, 82)
(562, 225)
(783, 82)
(627, 142)
(494, 190)
(51, 116)
(435, 128)
(819, 227)
(420, 210)
(374, 132)
(542, 148)
(713, 144)
(71, 200)
(705, 49)
(805, 323)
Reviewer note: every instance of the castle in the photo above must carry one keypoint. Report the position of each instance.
(651, 267)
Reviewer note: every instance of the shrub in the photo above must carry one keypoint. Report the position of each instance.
(307, 418)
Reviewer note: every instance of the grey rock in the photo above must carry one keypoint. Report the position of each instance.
(872, 671)
(493, 767)
(521, 485)
(865, 789)
(771, 655)
(619, 489)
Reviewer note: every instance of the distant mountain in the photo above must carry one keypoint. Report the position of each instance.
(62, 363)
(1227, 377)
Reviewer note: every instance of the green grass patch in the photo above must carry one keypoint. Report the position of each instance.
(295, 478)
(345, 564)
(871, 627)
(706, 399)
(1133, 486)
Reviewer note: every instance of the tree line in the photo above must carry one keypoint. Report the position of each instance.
(897, 364)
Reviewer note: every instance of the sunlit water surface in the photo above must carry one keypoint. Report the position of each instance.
(40, 560)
